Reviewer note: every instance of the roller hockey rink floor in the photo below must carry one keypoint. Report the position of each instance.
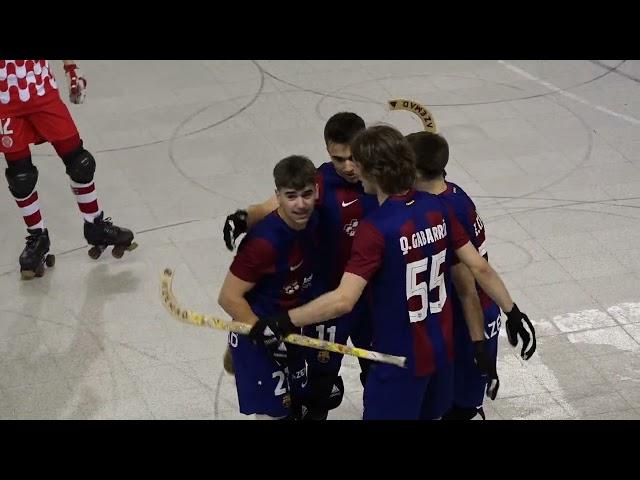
(550, 152)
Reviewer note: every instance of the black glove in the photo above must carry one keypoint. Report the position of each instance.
(234, 226)
(517, 328)
(487, 367)
(270, 332)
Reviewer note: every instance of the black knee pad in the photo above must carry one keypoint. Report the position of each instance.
(22, 176)
(324, 392)
(80, 165)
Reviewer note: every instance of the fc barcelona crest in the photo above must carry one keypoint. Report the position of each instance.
(323, 356)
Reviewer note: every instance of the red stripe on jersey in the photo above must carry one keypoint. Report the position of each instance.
(320, 187)
(434, 219)
(446, 325)
(485, 300)
(408, 229)
(255, 258)
(458, 234)
(367, 251)
(423, 349)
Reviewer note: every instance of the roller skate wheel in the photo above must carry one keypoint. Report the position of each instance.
(50, 260)
(118, 251)
(27, 274)
(40, 270)
(95, 252)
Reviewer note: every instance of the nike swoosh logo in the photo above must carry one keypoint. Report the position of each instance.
(295, 267)
(346, 204)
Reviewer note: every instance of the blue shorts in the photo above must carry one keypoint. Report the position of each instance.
(355, 325)
(263, 386)
(393, 393)
(470, 385)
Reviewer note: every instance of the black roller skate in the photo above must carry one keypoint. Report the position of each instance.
(103, 233)
(36, 254)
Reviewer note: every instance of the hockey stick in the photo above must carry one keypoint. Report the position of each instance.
(428, 122)
(201, 320)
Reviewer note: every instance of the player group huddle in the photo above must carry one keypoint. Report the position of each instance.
(377, 247)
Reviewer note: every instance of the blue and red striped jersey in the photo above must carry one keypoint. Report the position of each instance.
(281, 262)
(404, 249)
(341, 206)
(465, 211)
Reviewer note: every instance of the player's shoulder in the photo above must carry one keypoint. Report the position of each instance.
(429, 200)
(266, 227)
(329, 176)
(419, 195)
(456, 191)
(455, 194)
(325, 174)
(375, 220)
(326, 170)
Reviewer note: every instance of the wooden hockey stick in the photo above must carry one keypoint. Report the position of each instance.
(201, 320)
(421, 111)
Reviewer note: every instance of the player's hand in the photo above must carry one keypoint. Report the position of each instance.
(487, 366)
(77, 83)
(234, 226)
(270, 332)
(518, 325)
